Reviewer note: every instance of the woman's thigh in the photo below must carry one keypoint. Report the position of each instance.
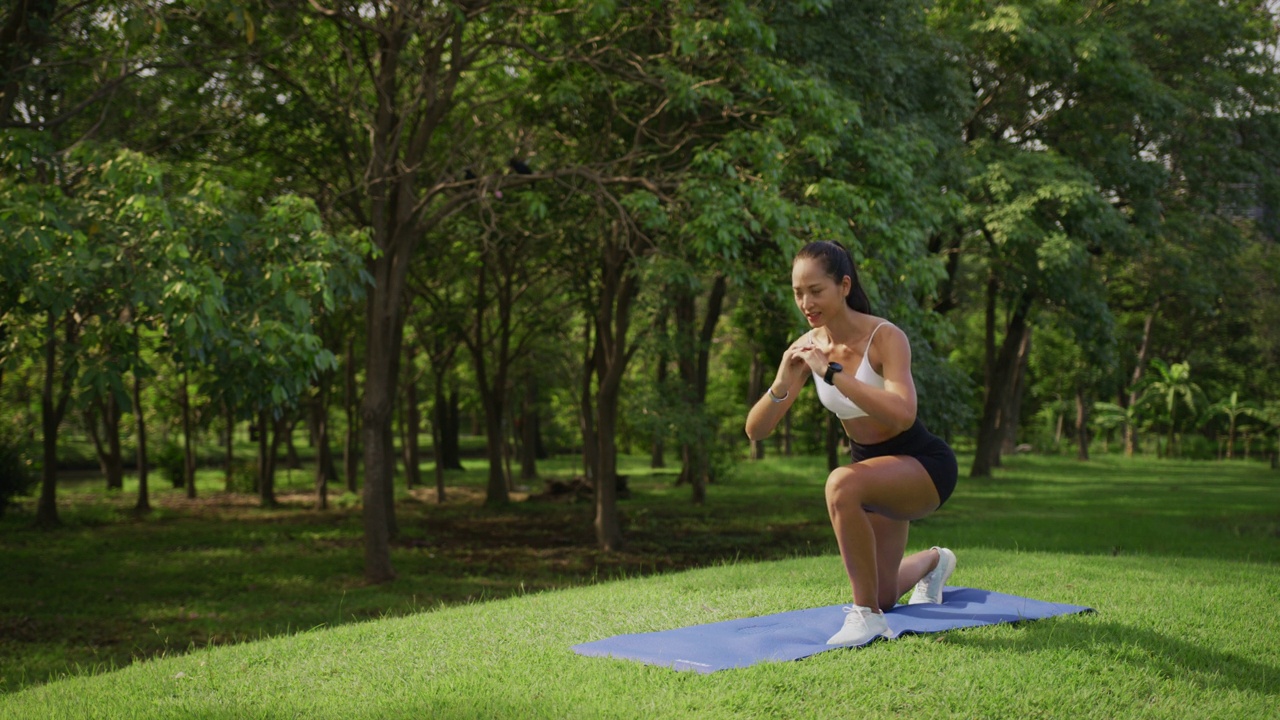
(895, 486)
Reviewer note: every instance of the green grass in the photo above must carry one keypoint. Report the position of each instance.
(1179, 559)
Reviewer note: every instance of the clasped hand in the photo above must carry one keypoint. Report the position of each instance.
(796, 358)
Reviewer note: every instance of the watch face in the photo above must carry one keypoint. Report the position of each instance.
(832, 369)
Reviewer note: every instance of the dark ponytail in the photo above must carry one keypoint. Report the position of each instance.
(837, 261)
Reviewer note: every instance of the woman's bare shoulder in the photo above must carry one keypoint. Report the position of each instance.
(803, 341)
(891, 340)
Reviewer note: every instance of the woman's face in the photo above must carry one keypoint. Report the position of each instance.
(817, 295)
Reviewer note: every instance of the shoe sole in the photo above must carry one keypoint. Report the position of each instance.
(947, 562)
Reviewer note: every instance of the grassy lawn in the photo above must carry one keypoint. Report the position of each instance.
(1179, 558)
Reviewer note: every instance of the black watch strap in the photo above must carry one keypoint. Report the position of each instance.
(832, 369)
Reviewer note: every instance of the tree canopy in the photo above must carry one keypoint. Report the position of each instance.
(579, 216)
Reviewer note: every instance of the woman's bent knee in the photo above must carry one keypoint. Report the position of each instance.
(843, 488)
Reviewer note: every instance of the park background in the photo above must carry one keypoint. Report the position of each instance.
(337, 289)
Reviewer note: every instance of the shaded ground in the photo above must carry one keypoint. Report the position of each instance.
(110, 587)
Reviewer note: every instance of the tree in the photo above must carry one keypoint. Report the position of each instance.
(1108, 416)
(70, 285)
(1094, 137)
(506, 303)
(1168, 388)
(1233, 408)
(368, 96)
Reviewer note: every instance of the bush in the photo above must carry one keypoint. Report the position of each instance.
(171, 462)
(244, 477)
(1197, 447)
(16, 475)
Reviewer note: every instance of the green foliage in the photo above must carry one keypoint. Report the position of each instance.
(1170, 387)
(171, 461)
(347, 500)
(1106, 160)
(1197, 447)
(244, 477)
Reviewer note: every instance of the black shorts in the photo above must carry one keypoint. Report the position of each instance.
(932, 452)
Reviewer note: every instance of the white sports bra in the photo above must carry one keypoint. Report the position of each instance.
(835, 401)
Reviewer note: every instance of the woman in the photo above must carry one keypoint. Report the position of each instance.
(861, 365)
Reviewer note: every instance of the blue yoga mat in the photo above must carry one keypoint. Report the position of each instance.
(800, 633)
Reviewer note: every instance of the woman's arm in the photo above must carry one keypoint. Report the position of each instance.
(768, 410)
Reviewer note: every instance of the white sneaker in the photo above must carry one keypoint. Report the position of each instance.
(929, 589)
(861, 626)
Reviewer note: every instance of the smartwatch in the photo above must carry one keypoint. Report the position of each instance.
(832, 369)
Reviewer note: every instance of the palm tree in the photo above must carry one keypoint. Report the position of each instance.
(1269, 413)
(1168, 385)
(1233, 409)
(1108, 416)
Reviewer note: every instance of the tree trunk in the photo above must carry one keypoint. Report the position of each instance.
(144, 502)
(412, 429)
(452, 430)
(115, 458)
(1011, 410)
(989, 336)
(325, 471)
(263, 440)
(108, 453)
(91, 413)
(1002, 382)
(586, 409)
(693, 443)
(229, 451)
(349, 463)
(529, 429)
(415, 432)
(618, 290)
(51, 408)
(1144, 347)
(756, 388)
(658, 451)
(437, 436)
(608, 529)
(292, 461)
(492, 384)
(268, 446)
(695, 353)
(496, 492)
(188, 455)
(508, 449)
(385, 333)
(1082, 424)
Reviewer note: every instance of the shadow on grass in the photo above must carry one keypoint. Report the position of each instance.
(1147, 650)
